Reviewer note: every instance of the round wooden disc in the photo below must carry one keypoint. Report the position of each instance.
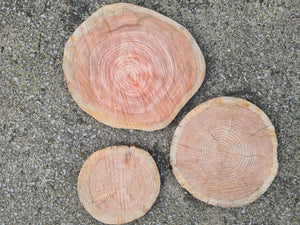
(118, 184)
(130, 67)
(224, 152)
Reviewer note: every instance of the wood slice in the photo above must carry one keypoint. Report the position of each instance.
(118, 184)
(130, 67)
(224, 152)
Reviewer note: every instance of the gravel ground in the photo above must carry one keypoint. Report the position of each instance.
(251, 50)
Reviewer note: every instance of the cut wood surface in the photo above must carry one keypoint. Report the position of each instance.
(118, 184)
(224, 152)
(130, 67)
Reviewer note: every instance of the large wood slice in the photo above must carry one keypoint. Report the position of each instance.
(130, 67)
(224, 152)
(118, 184)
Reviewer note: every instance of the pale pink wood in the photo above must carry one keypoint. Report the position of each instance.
(131, 67)
(224, 152)
(118, 184)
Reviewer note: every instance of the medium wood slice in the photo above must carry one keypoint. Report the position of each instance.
(224, 152)
(130, 67)
(118, 184)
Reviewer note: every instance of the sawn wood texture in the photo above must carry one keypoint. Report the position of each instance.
(118, 184)
(224, 152)
(131, 67)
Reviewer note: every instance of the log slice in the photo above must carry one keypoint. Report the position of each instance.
(118, 184)
(130, 67)
(224, 152)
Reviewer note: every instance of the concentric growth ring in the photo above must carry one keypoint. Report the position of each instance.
(130, 67)
(224, 152)
(118, 184)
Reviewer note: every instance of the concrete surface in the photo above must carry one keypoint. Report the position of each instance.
(251, 50)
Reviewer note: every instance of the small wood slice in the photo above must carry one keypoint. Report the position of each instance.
(224, 152)
(118, 184)
(130, 67)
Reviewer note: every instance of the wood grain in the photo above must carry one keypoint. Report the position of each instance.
(130, 67)
(224, 152)
(118, 184)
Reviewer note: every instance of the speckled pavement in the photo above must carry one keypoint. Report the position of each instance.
(251, 50)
